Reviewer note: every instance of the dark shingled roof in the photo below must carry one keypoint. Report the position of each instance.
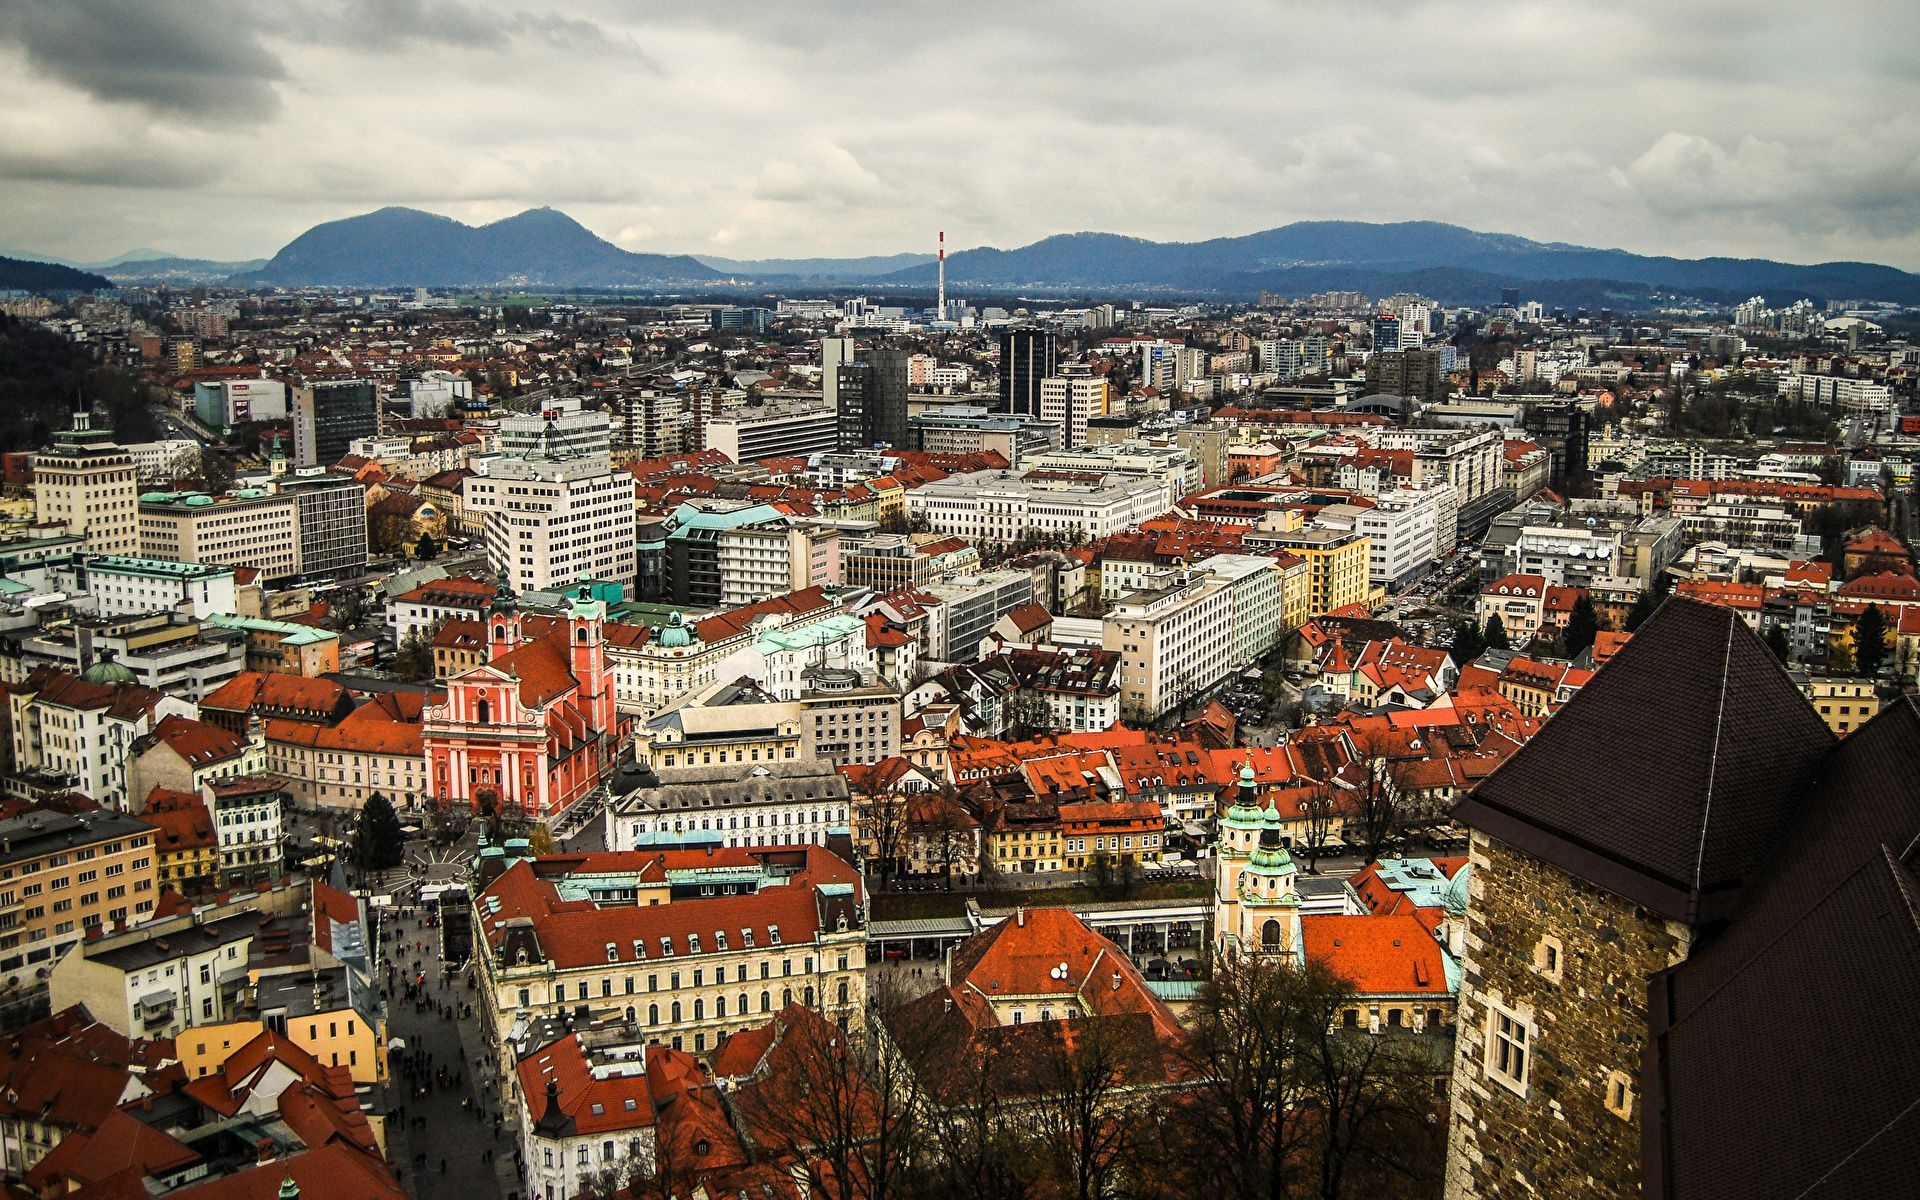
(1783, 1060)
(1665, 780)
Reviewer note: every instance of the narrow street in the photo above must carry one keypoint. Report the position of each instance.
(442, 1133)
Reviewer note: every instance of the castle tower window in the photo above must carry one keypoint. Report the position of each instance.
(1509, 1040)
(1620, 1095)
(1548, 957)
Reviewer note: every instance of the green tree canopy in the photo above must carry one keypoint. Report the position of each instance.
(378, 842)
(1870, 642)
(1496, 635)
(1582, 625)
(1467, 643)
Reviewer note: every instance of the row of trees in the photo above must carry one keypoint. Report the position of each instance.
(1268, 1096)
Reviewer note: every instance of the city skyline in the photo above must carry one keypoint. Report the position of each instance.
(224, 130)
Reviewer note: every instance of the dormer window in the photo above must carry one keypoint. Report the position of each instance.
(746, 938)
(720, 939)
(773, 935)
(639, 949)
(613, 952)
(666, 946)
(693, 943)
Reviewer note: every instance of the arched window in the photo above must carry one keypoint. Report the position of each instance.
(766, 1001)
(786, 997)
(676, 1012)
(743, 1004)
(843, 991)
(719, 1006)
(809, 1000)
(486, 712)
(699, 1010)
(653, 1014)
(1270, 935)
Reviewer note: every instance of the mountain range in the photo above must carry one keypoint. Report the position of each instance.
(403, 247)
(1456, 264)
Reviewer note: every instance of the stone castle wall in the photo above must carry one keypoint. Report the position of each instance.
(1587, 1030)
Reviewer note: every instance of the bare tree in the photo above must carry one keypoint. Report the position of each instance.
(1090, 1107)
(1380, 805)
(832, 1106)
(978, 1136)
(1323, 808)
(886, 827)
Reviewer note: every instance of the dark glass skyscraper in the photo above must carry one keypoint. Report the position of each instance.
(328, 414)
(1026, 357)
(873, 400)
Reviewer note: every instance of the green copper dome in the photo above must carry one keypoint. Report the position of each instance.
(675, 633)
(1245, 811)
(107, 672)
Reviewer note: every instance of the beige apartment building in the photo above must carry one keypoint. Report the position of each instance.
(249, 528)
(63, 876)
(88, 483)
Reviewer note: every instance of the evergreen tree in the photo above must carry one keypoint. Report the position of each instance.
(1643, 606)
(426, 549)
(1870, 642)
(1582, 625)
(1496, 635)
(378, 842)
(1777, 642)
(1467, 643)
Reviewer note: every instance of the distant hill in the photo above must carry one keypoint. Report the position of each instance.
(870, 267)
(23, 275)
(403, 247)
(1311, 256)
(178, 270)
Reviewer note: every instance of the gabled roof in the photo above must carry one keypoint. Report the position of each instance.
(1667, 777)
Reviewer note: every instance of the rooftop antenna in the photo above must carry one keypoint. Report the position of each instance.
(941, 309)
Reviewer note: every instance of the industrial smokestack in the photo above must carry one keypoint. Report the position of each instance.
(941, 309)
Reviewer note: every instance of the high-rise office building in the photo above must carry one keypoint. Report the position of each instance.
(88, 483)
(873, 400)
(835, 352)
(331, 511)
(548, 523)
(562, 429)
(1026, 357)
(1071, 398)
(1417, 373)
(328, 414)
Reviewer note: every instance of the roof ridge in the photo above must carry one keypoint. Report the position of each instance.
(1713, 766)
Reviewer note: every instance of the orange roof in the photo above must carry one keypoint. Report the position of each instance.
(1389, 954)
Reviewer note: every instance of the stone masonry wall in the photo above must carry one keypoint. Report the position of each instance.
(1560, 1140)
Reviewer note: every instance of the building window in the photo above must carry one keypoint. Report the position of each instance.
(1507, 1045)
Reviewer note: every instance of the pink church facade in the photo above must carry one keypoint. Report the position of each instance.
(535, 725)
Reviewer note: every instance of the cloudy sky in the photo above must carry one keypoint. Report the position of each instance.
(221, 128)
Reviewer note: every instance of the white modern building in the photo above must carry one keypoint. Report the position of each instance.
(562, 429)
(124, 586)
(1005, 506)
(1174, 642)
(550, 523)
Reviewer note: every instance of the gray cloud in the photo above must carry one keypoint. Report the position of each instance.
(833, 127)
(200, 59)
